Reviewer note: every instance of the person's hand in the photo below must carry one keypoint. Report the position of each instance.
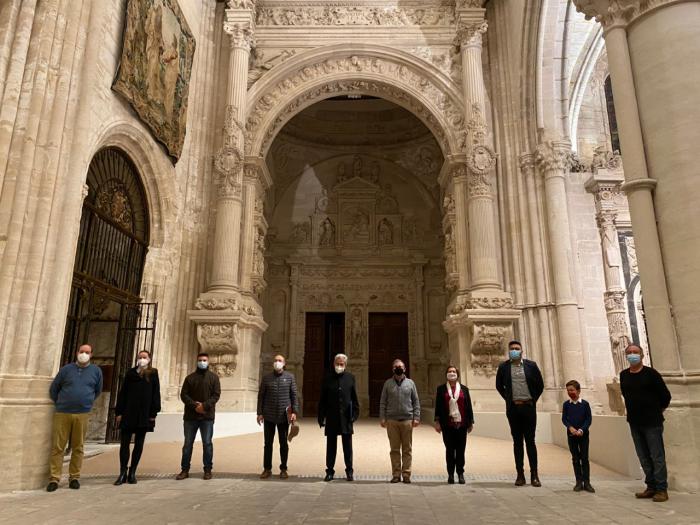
(260, 420)
(470, 428)
(579, 432)
(382, 423)
(415, 423)
(438, 428)
(199, 408)
(293, 417)
(118, 420)
(573, 431)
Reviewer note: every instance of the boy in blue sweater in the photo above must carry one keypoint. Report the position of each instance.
(577, 418)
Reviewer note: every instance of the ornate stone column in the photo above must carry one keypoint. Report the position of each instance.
(605, 186)
(256, 180)
(230, 324)
(659, 133)
(554, 159)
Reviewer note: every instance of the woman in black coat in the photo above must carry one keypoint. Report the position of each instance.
(338, 409)
(138, 403)
(454, 417)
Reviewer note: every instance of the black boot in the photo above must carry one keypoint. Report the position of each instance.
(534, 478)
(520, 480)
(122, 477)
(132, 476)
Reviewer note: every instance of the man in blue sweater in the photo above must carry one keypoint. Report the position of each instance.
(73, 391)
(577, 418)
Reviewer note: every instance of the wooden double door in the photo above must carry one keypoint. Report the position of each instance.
(388, 340)
(325, 337)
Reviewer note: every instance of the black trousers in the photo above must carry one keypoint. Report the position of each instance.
(579, 456)
(282, 431)
(523, 423)
(139, 440)
(332, 450)
(455, 440)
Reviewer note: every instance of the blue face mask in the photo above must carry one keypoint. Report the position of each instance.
(514, 354)
(634, 359)
(202, 365)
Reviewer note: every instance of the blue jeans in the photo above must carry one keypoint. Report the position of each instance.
(649, 444)
(206, 432)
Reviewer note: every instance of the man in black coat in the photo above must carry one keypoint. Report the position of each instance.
(520, 384)
(338, 409)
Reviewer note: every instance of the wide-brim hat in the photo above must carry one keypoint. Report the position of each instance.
(293, 432)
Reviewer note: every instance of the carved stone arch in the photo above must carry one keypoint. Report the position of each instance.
(156, 171)
(343, 69)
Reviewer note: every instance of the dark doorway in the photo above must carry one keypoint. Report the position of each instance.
(325, 337)
(388, 340)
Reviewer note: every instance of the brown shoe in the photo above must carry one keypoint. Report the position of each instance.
(265, 474)
(207, 473)
(184, 474)
(647, 494)
(520, 480)
(661, 495)
(395, 479)
(407, 479)
(283, 474)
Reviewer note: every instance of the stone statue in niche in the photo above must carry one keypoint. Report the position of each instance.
(327, 237)
(356, 332)
(374, 173)
(259, 257)
(342, 175)
(322, 202)
(357, 166)
(611, 251)
(385, 232)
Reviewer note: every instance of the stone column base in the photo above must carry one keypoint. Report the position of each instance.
(479, 328)
(26, 412)
(229, 329)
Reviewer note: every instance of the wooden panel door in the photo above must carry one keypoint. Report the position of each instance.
(325, 337)
(388, 340)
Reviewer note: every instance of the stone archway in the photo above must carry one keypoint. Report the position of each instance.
(342, 69)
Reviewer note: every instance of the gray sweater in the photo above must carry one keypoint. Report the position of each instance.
(399, 401)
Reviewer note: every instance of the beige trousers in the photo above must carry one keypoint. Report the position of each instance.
(73, 427)
(400, 440)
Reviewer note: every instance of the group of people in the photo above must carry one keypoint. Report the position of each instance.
(518, 380)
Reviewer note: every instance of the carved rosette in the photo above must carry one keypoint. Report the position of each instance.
(487, 348)
(470, 33)
(220, 341)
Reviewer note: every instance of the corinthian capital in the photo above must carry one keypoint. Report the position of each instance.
(554, 156)
(616, 12)
(469, 33)
(241, 35)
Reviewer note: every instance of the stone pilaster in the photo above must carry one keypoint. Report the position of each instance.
(554, 159)
(256, 180)
(229, 322)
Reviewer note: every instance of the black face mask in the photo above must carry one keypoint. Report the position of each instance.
(398, 371)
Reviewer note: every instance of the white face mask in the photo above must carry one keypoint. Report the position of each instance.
(451, 376)
(83, 358)
(278, 365)
(143, 362)
(339, 369)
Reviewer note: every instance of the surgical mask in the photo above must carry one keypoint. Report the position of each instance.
(202, 365)
(143, 362)
(83, 358)
(339, 369)
(451, 376)
(634, 359)
(398, 370)
(514, 354)
(278, 365)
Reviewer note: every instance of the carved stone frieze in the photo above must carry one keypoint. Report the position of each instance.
(241, 4)
(398, 76)
(220, 341)
(263, 61)
(477, 302)
(487, 347)
(224, 304)
(338, 15)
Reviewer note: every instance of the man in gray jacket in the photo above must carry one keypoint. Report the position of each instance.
(277, 394)
(399, 413)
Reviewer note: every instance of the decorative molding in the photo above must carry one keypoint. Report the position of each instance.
(229, 304)
(241, 4)
(338, 15)
(401, 80)
(487, 347)
(481, 303)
